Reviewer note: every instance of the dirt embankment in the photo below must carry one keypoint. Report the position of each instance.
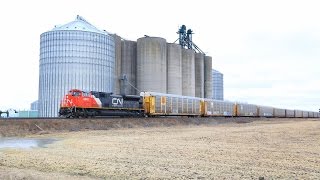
(272, 149)
(22, 127)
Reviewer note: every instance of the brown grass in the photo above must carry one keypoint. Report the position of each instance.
(34, 126)
(281, 149)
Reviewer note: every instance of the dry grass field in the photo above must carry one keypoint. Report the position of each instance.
(277, 149)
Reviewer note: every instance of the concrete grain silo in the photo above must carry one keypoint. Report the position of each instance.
(152, 64)
(129, 65)
(208, 77)
(199, 75)
(75, 55)
(117, 67)
(174, 68)
(188, 74)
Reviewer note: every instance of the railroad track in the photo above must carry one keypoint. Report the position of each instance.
(62, 118)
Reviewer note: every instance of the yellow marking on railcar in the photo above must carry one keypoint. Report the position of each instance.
(203, 108)
(152, 104)
(235, 110)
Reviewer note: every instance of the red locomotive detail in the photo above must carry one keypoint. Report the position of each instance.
(78, 103)
(80, 99)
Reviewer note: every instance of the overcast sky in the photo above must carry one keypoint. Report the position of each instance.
(268, 51)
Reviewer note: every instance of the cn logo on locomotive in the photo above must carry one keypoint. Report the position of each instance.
(117, 102)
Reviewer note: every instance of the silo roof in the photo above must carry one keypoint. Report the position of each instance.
(216, 71)
(79, 24)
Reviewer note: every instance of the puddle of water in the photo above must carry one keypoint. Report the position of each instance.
(24, 143)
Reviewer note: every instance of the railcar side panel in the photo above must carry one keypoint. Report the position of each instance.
(289, 113)
(265, 111)
(167, 104)
(298, 114)
(305, 114)
(218, 108)
(277, 112)
(246, 109)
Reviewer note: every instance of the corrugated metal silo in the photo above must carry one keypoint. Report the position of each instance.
(75, 55)
(34, 105)
(117, 65)
(129, 64)
(174, 68)
(217, 85)
(152, 64)
(208, 77)
(199, 75)
(188, 74)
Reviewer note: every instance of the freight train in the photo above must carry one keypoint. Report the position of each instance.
(77, 103)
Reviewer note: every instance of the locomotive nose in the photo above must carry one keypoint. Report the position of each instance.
(65, 102)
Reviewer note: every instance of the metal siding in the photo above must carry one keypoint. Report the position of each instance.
(265, 111)
(247, 109)
(279, 112)
(217, 85)
(73, 59)
(174, 104)
(305, 114)
(218, 108)
(298, 114)
(28, 114)
(289, 113)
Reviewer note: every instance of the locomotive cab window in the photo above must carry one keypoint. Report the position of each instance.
(85, 94)
(76, 93)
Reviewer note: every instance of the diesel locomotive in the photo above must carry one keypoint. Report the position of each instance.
(78, 103)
